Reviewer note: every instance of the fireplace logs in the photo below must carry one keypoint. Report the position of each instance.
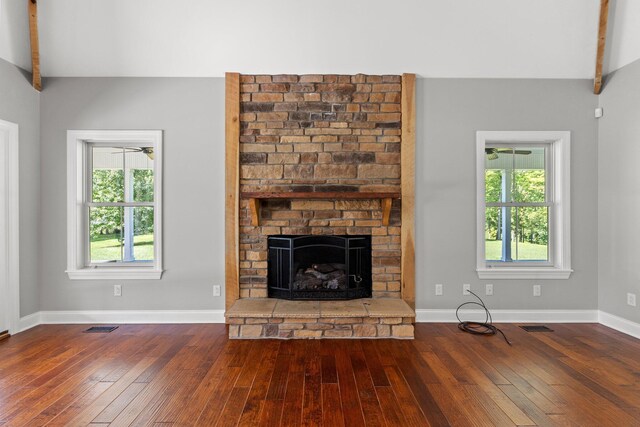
(321, 276)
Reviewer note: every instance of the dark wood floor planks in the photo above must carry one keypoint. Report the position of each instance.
(138, 375)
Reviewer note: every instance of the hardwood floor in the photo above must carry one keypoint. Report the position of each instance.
(582, 375)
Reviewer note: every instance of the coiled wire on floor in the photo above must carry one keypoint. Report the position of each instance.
(479, 328)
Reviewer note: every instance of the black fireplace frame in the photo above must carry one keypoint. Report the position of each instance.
(281, 266)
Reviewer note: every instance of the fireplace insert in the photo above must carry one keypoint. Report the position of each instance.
(319, 267)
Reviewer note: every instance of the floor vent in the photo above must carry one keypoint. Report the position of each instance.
(536, 328)
(101, 329)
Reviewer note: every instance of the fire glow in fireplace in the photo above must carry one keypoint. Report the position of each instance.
(319, 267)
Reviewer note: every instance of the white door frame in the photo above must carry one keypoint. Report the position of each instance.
(10, 217)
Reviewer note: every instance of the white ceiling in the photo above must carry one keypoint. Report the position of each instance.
(623, 39)
(433, 38)
(14, 33)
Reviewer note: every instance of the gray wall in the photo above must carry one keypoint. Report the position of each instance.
(19, 103)
(449, 112)
(190, 111)
(619, 192)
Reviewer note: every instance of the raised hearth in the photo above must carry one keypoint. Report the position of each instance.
(256, 318)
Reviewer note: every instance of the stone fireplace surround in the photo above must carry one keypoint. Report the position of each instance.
(331, 137)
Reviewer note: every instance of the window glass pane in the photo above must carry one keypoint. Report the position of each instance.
(143, 241)
(107, 174)
(527, 231)
(492, 234)
(529, 186)
(520, 171)
(530, 234)
(493, 185)
(121, 234)
(139, 167)
(106, 234)
(529, 175)
(142, 185)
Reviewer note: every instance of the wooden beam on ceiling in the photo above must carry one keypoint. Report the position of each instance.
(602, 39)
(36, 79)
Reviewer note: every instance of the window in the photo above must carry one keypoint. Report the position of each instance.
(523, 205)
(114, 204)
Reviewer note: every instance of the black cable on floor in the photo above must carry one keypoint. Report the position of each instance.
(479, 328)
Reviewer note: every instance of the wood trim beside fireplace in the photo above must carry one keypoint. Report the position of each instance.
(408, 178)
(232, 188)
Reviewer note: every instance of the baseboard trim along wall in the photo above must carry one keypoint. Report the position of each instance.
(121, 316)
(422, 316)
(29, 321)
(509, 316)
(619, 324)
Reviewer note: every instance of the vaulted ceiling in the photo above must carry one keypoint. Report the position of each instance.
(433, 38)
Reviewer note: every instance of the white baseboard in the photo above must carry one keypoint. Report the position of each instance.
(29, 321)
(121, 316)
(619, 324)
(422, 316)
(509, 316)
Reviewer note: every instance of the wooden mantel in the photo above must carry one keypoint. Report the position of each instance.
(256, 197)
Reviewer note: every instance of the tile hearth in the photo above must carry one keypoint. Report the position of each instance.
(255, 318)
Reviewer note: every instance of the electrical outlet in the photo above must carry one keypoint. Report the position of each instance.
(599, 112)
(117, 290)
(216, 290)
(466, 288)
(439, 289)
(537, 290)
(631, 299)
(489, 289)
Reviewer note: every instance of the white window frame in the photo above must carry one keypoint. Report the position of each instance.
(559, 189)
(78, 177)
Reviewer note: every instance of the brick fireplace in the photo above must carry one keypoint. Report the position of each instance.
(320, 134)
(318, 155)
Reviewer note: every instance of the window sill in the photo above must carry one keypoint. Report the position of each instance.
(524, 273)
(115, 274)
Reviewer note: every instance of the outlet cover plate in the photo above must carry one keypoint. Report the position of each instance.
(489, 289)
(439, 289)
(117, 290)
(466, 288)
(631, 299)
(537, 290)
